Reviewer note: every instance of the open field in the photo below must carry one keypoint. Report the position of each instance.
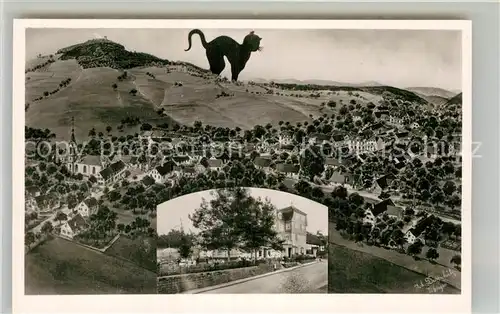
(422, 266)
(60, 266)
(351, 271)
(141, 251)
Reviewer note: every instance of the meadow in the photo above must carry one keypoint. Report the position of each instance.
(60, 266)
(351, 271)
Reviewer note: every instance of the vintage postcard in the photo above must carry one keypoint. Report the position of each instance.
(257, 158)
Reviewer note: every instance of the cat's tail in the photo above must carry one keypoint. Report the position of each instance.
(202, 37)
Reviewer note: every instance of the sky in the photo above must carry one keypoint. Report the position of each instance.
(176, 211)
(400, 58)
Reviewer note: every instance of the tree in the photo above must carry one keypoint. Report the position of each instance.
(185, 246)
(47, 228)
(108, 129)
(312, 162)
(60, 216)
(120, 227)
(457, 260)
(259, 230)
(234, 219)
(432, 254)
(29, 239)
(340, 192)
(415, 248)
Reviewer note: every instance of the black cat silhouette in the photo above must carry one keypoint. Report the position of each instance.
(237, 54)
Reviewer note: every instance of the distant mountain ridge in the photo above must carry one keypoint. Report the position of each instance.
(432, 91)
(317, 82)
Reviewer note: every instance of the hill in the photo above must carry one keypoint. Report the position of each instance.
(105, 53)
(436, 100)
(101, 84)
(457, 100)
(432, 91)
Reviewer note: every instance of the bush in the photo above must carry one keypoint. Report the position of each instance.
(204, 267)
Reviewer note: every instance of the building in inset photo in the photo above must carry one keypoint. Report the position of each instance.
(274, 241)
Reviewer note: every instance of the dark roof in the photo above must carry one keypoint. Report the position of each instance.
(147, 180)
(290, 210)
(32, 190)
(90, 202)
(92, 160)
(262, 161)
(313, 239)
(112, 169)
(337, 137)
(165, 168)
(320, 136)
(384, 181)
(381, 207)
(180, 158)
(421, 226)
(402, 134)
(288, 168)
(77, 223)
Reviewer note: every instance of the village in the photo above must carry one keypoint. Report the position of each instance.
(403, 160)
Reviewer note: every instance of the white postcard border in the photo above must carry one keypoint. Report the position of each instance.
(343, 303)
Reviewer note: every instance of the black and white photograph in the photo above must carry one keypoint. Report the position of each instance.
(245, 158)
(242, 240)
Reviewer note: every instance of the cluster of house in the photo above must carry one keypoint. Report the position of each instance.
(413, 230)
(291, 225)
(78, 218)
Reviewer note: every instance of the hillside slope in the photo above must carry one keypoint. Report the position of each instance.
(89, 98)
(457, 100)
(101, 84)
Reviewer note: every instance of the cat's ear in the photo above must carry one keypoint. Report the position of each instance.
(252, 32)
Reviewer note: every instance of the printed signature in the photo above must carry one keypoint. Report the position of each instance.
(432, 284)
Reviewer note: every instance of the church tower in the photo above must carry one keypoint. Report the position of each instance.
(72, 148)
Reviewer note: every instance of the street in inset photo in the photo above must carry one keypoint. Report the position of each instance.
(242, 240)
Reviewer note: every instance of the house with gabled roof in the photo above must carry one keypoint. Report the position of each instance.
(161, 173)
(382, 183)
(89, 165)
(181, 160)
(289, 170)
(87, 207)
(418, 231)
(313, 244)
(73, 227)
(263, 163)
(381, 207)
(113, 173)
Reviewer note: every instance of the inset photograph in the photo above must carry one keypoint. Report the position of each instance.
(242, 240)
